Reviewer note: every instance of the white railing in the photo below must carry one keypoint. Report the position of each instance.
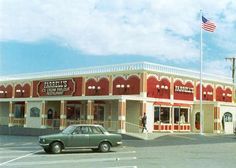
(118, 68)
(18, 121)
(133, 128)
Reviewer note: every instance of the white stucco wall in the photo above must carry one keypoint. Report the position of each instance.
(150, 116)
(33, 122)
(232, 109)
(4, 113)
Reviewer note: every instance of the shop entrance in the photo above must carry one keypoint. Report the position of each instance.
(227, 123)
(73, 114)
(99, 114)
(197, 121)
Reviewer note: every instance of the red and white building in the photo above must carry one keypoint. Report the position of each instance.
(116, 96)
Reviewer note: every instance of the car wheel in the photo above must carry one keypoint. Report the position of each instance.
(104, 147)
(47, 150)
(56, 147)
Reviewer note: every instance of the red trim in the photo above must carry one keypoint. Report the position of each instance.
(99, 102)
(73, 102)
(182, 105)
(162, 103)
(19, 102)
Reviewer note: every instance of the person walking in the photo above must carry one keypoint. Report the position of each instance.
(144, 122)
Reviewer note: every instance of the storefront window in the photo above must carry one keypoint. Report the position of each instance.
(34, 112)
(228, 117)
(99, 113)
(19, 111)
(73, 112)
(156, 114)
(183, 115)
(165, 115)
(180, 115)
(162, 114)
(176, 115)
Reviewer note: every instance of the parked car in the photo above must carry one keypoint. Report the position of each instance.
(84, 136)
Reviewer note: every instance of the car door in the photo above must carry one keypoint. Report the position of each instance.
(80, 137)
(96, 136)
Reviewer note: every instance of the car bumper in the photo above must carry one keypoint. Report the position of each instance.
(44, 145)
(119, 143)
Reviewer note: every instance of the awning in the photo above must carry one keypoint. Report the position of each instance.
(162, 103)
(182, 105)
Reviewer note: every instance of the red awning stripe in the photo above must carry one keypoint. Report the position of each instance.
(162, 103)
(182, 105)
(169, 104)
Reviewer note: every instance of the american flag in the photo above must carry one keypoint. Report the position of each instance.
(208, 25)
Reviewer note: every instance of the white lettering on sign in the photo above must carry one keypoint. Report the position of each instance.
(184, 89)
(52, 88)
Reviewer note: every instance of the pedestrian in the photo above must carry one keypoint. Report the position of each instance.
(144, 122)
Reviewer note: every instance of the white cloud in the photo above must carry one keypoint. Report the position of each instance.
(218, 67)
(165, 29)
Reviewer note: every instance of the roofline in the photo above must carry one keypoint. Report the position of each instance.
(126, 67)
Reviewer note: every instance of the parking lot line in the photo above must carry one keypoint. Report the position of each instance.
(12, 160)
(52, 162)
(124, 167)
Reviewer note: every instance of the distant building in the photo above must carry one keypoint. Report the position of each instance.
(116, 96)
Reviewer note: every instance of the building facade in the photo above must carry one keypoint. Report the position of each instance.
(116, 96)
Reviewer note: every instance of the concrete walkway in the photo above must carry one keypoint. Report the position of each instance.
(151, 136)
(146, 136)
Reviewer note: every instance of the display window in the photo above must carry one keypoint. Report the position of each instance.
(99, 113)
(73, 112)
(162, 115)
(181, 115)
(19, 110)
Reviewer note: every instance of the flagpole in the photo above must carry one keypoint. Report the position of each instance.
(201, 63)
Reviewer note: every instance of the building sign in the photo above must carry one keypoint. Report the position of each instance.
(184, 89)
(56, 88)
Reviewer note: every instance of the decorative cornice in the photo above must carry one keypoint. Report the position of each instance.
(124, 68)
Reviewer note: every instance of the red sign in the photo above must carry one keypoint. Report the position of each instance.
(56, 88)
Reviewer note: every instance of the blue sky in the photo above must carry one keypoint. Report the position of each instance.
(50, 35)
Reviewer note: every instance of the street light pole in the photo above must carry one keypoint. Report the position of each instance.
(232, 59)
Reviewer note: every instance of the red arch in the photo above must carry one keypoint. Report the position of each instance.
(104, 85)
(89, 83)
(152, 82)
(134, 85)
(228, 95)
(219, 93)
(164, 93)
(117, 82)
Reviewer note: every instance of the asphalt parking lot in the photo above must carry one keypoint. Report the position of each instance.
(167, 151)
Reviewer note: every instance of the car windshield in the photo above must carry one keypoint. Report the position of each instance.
(103, 130)
(69, 130)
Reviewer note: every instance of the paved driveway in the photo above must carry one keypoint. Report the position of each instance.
(167, 151)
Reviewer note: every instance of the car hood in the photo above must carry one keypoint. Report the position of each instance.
(52, 136)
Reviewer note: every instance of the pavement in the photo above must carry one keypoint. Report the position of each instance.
(179, 150)
(152, 136)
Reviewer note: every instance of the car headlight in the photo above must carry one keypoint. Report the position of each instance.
(42, 140)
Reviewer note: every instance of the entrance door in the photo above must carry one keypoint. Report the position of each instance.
(228, 123)
(197, 121)
(99, 114)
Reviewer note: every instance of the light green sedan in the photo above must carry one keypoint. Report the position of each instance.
(93, 137)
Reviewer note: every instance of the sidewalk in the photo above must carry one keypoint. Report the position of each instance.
(152, 136)
(147, 136)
